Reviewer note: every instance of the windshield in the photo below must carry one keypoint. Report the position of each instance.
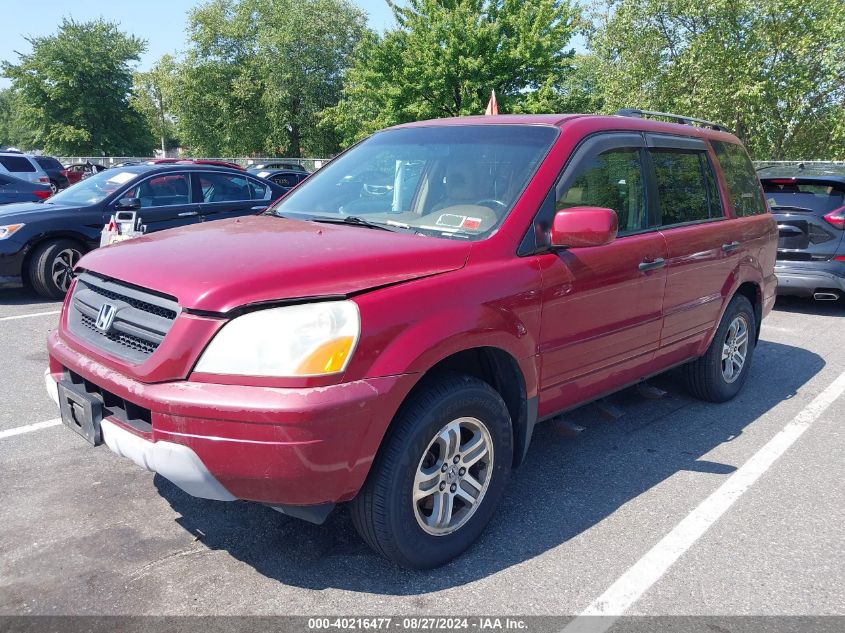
(457, 181)
(94, 188)
(819, 197)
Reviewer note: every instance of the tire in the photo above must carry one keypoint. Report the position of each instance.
(51, 267)
(385, 512)
(54, 187)
(713, 378)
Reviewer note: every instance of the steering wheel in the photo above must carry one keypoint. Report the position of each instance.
(488, 201)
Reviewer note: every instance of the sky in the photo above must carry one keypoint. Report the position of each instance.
(160, 22)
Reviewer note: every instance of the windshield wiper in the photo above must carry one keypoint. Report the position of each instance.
(354, 220)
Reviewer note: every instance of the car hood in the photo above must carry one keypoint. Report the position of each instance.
(22, 211)
(219, 266)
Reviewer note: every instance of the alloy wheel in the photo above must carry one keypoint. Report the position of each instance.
(735, 349)
(453, 476)
(62, 269)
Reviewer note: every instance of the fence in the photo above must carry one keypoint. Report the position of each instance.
(310, 164)
(763, 164)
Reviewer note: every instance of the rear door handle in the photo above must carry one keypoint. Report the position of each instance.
(652, 264)
(731, 246)
(260, 207)
(188, 214)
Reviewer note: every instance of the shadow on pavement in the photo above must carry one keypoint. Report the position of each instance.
(566, 486)
(23, 297)
(799, 305)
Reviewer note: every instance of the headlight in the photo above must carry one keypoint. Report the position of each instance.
(9, 229)
(313, 339)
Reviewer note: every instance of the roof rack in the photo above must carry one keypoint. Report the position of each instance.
(686, 120)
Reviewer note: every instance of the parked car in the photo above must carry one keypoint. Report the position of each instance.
(194, 161)
(22, 166)
(809, 206)
(18, 190)
(80, 171)
(41, 243)
(399, 357)
(55, 172)
(274, 165)
(287, 179)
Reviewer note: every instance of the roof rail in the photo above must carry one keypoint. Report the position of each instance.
(686, 120)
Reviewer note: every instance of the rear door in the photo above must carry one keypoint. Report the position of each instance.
(229, 195)
(166, 201)
(700, 239)
(799, 206)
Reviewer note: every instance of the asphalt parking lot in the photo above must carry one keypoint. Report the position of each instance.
(85, 532)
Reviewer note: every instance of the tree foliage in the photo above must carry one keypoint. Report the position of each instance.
(73, 91)
(152, 94)
(773, 70)
(445, 56)
(259, 71)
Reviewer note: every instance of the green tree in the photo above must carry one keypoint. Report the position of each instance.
(445, 56)
(74, 89)
(258, 72)
(151, 96)
(773, 70)
(12, 131)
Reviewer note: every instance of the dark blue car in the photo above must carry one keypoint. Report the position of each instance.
(14, 189)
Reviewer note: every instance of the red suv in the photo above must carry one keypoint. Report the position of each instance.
(391, 331)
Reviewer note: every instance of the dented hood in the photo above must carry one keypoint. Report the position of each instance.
(219, 266)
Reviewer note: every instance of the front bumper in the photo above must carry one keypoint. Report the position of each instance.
(280, 446)
(805, 278)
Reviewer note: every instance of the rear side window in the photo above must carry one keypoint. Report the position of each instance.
(820, 197)
(47, 162)
(224, 188)
(16, 164)
(259, 190)
(740, 178)
(686, 186)
(613, 180)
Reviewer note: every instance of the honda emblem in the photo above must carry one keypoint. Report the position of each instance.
(105, 317)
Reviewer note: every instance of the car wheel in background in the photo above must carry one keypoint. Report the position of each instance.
(439, 475)
(54, 187)
(719, 375)
(51, 267)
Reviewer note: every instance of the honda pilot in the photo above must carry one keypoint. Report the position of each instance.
(389, 333)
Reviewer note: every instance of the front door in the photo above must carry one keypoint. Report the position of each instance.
(602, 306)
(165, 201)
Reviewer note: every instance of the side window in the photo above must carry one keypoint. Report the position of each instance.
(686, 186)
(259, 191)
(16, 164)
(740, 178)
(612, 179)
(162, 191)
(224, 188)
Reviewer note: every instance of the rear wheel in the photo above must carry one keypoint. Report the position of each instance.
(720, 373)
(439, 475)
(51, 267)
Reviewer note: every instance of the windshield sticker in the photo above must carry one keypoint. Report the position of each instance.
(451, 220)
(122, 177)
(263, 174)
(471, 223)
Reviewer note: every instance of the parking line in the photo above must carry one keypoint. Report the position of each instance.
(27, 316)
(29, 428)
(631, 585)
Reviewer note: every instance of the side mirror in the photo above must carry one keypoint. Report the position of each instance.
(580, 227)
(128, 204)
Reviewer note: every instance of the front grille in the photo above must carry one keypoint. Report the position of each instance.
(141, 319)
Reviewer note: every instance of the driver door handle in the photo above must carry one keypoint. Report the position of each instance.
(730, 246)
(652, 264)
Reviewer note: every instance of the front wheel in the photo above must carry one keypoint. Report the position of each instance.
(51, 267)
(439, 475)
(720, 373)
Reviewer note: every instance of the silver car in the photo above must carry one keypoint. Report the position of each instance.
(24, 167)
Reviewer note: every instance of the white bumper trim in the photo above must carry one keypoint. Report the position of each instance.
(175, 462)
